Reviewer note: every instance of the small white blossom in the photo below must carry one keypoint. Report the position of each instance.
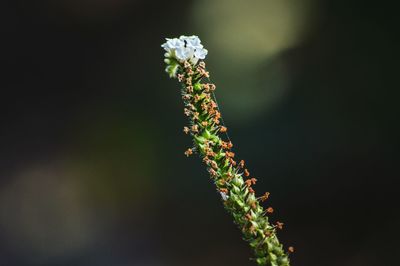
(201, 53)
(185, 48)
(184, 53)
(171, 44)
(192, 41)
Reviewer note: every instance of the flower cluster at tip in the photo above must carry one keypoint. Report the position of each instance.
(179, 50)
(232, 180)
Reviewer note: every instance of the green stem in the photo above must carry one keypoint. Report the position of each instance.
(237, 194)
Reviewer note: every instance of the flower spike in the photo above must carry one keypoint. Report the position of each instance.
(184, 58)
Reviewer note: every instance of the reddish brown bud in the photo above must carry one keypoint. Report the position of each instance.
(189, 89)
(186, 64)
(213, 164)
(279, 225)
(230, 154)
(222, 129)
(264, 197)
(186, 130)
(212, 172)
(188, 152)
(195, 128)
(180, 77)
(248, 182)
(246, 172)
(204, 106)
(189, 81)
(230, 145)
(186, 111)
(223, 190)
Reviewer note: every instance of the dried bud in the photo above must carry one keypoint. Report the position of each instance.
(186, 130)
(189, 81)
(186, 65)
(206, 87)
(223, 190)
(196, 98)
(187, 112)
(248, 182)
(210, 153)
(246, 172)
(213, 164)
(186, 97)
(269, 210)
(213, 104)
(222, 129)
(230, 145)
(181, 77)
(195, 129)
(264, 197)
(189, 89)
(230, 154)
(279, 225)
(212, 172)
(206, 160)
(204, 106)
(188, 152)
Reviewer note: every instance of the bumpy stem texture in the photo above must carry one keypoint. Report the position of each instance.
(231, 178)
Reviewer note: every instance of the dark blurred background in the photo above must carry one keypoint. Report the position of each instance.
(92, 170)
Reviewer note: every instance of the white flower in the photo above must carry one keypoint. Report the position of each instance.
(184, 53)
(201, 53)
(171, 44)
(185, 48)
(192, 41)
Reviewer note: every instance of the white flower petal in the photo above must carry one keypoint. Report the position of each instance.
(173, 44)
(184, 53)
(201, 53)
(192, 41)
